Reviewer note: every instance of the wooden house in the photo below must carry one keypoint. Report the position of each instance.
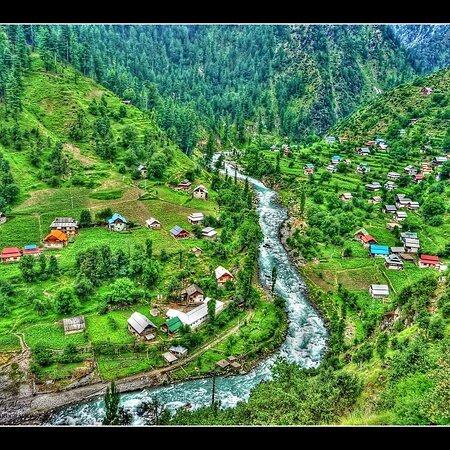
(10, 255)
(397, 250)
(331, 168)
(393, 176)
(172, 325)
(196, 218)
(362, 168)
(390, 185)
(426, 261)
(389, 209)
(413, 206)
(67, 225)
(74, 325)
(336, 159)
(392, 225)
(141, 326)
(363, 151)
(382, 146)
(2, 218)
(117, 223)
(223, 364)
(56, 239)
(142, 170)
(375, 186)
(200, 192)
(418, 177)
(192, 294)
(426, 91)
(439, 160)
(32, 250)
(209, 233)
(169, 357)
(185, 185)
(411, 245)
(359, 233)
(197, 251)
(347, 196)
(401, 201)
(179, 351)
(375, 199)
(393, 262)
(410, 170)
(379, 290)
(222, 275)
(400, 216)
(368, 240)
(308, 169)
(153, 224)
(179, 233)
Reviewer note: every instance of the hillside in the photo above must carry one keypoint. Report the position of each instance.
(235, 81)
(69, 148)
(427, 45)
(385, 115)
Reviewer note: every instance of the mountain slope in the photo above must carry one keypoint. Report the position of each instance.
(234, 80)
(427, 45)
(393, 110)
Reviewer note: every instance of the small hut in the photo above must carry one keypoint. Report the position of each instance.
(74, 325)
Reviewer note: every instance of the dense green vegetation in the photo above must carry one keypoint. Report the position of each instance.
(236, 81)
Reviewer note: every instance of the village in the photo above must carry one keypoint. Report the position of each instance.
(159, 325)
(359, 178)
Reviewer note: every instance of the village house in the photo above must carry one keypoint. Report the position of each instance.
(413, 206)
(197, 251)
(393, 262)
(222, 275)
(67, 225)
(32, 250)
(308, 169)
(400, 216)
(192, 294)
(401, 201)
(2, 218)
(359, 233)
(426, 168)
(379, 140)
(375, 199)
(56, 239)
(418, 178)
(274, 148)
(10, 255)
(142, 170)
(439, 160)
(392, 225)
(363, 151)
(370, 143)
(209, 233)
(383, 146)
(330, 139)
(179, 351)
(426, 261)
(117, 223)
(347, 161)
(169, 357)
(74, 325)
(393, 176)
(362, 168)
(410, 241)
(141, 327)
(195, 317)
(402, 131)
(378, 251)
(196, 218)
(375, 186)
(346, 196)
(426, 91)
(342, 139)
(368, 240)
(336, 159)
(179, 233)
(389, 209)
(407, 257)
(223, 364)
(185, 185)
(126, 102)
(200, 192)
(413, 121)
(379, 290)
(171, 326)
(410, 170)
(153, 224)
(390, 185)
(331, 168)
(397, 250)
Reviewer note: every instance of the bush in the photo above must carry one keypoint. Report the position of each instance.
(437, 328)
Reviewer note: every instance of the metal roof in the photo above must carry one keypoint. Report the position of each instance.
(74, 324)
(115, 217)
(139, 322)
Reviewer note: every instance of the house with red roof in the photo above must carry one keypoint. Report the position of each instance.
(10, 255)
(418, 177)
(367, 240)
(426, 261)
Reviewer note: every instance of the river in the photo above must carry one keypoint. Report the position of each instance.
(305, 341)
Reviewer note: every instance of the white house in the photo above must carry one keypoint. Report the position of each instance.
(209, 233)
(196, 218)
(117, 223)
(153, 224)
(200, 192)
(379, 290)
(195, 317)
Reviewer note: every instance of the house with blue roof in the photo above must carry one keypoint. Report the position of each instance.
(378, 251)
(335, 159)
(179, 233)
(117, 223)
